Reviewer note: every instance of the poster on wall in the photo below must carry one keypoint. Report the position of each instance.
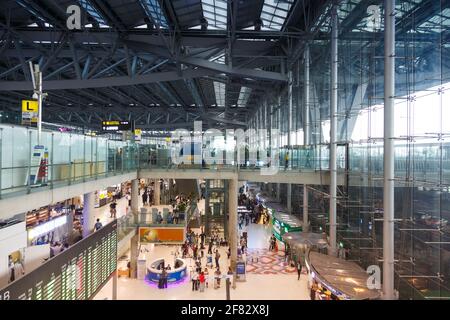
(16, 265)
(161, 235)
(39, 166)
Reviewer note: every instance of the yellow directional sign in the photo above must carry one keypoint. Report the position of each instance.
(30, 106)
(137, 134)
(30, 113)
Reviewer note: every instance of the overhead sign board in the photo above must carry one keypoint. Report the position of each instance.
(116, 125)
(137, 134)
(30, 112)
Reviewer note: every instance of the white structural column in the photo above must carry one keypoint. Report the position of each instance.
(289, 197)
(388, 196)
(289, 141)
(233, 223)
(157, 195)
(306, 131)
(135, 196)
(333, 113)
(114, 285)
(88, 213)
(305, 209)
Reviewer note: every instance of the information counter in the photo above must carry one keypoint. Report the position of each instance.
(176, 274)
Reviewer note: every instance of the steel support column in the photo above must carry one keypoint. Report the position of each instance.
(388, 192)
(233, 224)
(306, 129)
(333, 116)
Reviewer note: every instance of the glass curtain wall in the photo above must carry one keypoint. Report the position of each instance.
(421, 147)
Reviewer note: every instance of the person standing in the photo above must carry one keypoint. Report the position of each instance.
(206, 274)
(217, 276)
(286, 161)
(230, 273)
(271, 243)
(144, 198)
(299, 269)
(202, 239)
(201, 280)
(195, 281)
(164, 278)
(287, 252)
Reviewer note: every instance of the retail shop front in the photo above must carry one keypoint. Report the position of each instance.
(111, 193)
(331, 278)
(283, 223)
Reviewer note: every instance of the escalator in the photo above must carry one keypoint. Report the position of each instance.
(188, 187)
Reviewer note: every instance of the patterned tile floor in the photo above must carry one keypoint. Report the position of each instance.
(263, 261)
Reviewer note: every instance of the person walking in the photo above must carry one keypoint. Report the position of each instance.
(98, 225)
(202, 239)
(299, 269)
(217, 257)
(195, 251)
(242, 245)
(210, 244)
(287, 252)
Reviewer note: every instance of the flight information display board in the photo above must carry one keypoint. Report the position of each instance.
(114, 125)
(75, 274)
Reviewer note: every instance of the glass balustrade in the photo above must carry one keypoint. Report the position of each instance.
(62, 158)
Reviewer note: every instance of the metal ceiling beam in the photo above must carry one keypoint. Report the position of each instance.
(220, 68)
(106, 82)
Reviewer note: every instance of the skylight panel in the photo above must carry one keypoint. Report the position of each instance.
(216, 12)
(244, 95)
(153, 9)
(85, 4)
(219, 90)
(274, 14)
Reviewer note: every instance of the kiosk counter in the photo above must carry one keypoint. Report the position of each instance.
(174, 275)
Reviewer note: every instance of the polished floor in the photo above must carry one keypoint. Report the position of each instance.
(257, 285)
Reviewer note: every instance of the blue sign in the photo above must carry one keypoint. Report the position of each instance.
(240, 268)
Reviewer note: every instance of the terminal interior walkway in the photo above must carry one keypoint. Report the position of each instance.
(257, 286)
